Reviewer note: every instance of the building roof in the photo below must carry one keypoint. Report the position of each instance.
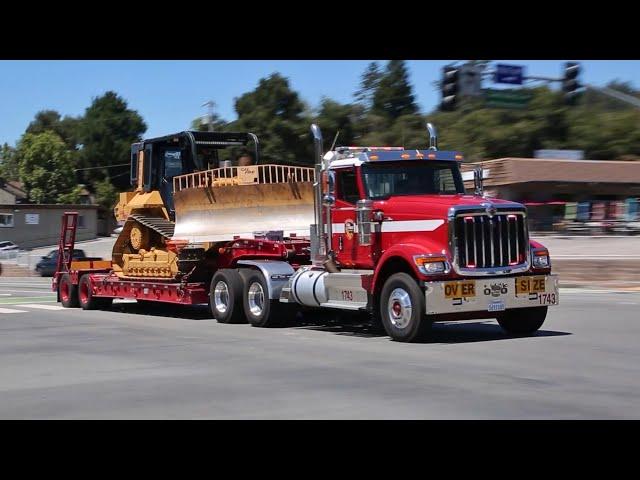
(14, 188)
(506, 171)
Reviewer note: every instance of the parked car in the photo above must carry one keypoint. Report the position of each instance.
(46, 267)
(8, 249)
(7, 246)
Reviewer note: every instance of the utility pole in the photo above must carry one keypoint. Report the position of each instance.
(210, 104)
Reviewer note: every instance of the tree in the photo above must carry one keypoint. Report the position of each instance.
(106, 132)
(275, 113)
(106, 194)
(201, 124)
(334, 117)
(50, 120)
(393, 96)
(368, 84)
(45, 167)
(8, 163)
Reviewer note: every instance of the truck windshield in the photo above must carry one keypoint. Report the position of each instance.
(384, 180)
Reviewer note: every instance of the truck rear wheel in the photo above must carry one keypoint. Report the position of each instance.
(402, 309)
(86, 298)
(259, 309)
(522, 321)
(68, 292)
(225, 297)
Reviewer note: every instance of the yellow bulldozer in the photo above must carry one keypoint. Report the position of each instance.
(186, 203)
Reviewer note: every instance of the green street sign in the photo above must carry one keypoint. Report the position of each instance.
(507, 98)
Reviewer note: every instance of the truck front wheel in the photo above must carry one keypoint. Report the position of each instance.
(402, 309)
(225, 297)
(522, 321)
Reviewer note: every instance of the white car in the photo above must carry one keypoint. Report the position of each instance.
(7, 246)
(8, 249)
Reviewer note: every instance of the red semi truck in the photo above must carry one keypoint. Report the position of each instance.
(392, 233)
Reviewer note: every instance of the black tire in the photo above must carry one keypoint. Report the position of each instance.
(87, 300)
(68, 292)
(226, 303)
(259, 310)
(401, 291)
(522, 321)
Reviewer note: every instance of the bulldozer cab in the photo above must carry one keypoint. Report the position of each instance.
(154, 162)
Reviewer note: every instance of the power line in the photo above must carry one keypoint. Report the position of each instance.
(106, 166)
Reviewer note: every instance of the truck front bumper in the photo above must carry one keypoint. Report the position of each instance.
(493, 294)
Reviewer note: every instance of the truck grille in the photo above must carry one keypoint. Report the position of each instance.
(481, 241)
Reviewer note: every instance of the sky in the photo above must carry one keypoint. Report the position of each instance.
(169, 94)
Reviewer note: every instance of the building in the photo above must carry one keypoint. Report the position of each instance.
(12, 192)
(547, 186)
(30, 226)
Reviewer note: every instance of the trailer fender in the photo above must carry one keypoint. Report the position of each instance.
(276, 273)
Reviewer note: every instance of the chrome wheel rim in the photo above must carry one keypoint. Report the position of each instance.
(399, 308)
(256, 299)
(221, 297)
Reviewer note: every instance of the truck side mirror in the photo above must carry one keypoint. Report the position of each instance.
(477, 180)
(331, 183)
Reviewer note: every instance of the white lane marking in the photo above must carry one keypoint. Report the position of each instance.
(42, 307)
(11, 310)
(5, 294)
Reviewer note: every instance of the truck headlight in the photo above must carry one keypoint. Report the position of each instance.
(541, 258)
(430, 265)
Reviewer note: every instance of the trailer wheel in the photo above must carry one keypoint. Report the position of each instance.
(225, 296)
(402, 309)
(68, 292)
(86, 298)
(522, 321)
(259, 309)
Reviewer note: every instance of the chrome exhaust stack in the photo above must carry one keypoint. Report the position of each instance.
(324, 255)
(433, 136)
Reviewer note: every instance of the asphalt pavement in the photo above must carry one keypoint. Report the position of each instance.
(177, 363)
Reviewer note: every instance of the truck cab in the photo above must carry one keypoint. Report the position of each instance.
(400, 237)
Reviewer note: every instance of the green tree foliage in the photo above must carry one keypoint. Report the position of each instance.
(45, 167)
(277, 115)
(106, 194)
(106, 132)
(369, 82)
(50, 120)
(393, 96)
(335, 117)
(8, 163)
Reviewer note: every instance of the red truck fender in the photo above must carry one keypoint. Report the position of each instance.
(405, 252)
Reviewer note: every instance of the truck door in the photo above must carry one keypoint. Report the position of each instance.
(345, 239)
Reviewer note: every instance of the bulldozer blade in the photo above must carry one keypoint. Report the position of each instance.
(219, 213)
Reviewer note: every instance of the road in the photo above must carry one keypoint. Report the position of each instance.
(177, 363)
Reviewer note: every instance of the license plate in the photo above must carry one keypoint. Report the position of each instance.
(464, 288)
(528, 285)
(497, 306)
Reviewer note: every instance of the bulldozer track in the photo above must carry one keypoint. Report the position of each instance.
(160, 225)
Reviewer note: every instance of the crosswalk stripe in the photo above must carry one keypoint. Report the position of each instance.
(11, 310)
(42, 307)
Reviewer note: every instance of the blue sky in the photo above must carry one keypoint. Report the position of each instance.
(169, 94)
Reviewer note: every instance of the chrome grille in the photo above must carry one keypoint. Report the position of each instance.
(481, 242)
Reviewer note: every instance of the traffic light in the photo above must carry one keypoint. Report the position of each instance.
(450, 87)
(570, 83)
